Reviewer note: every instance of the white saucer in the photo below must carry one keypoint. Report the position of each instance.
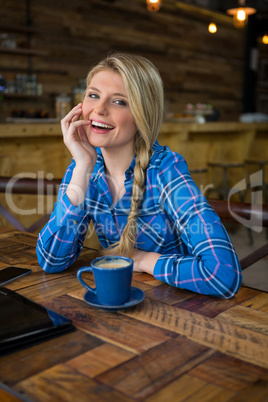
(136, 296)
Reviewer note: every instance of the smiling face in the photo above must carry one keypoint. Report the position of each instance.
(106, 106)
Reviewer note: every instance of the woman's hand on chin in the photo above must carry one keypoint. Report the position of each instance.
(75, 137)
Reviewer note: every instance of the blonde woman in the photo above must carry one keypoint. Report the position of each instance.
(139, 195)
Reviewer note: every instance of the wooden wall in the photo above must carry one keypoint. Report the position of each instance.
(196, 66)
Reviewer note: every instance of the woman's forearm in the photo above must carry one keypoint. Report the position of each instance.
(77, 187)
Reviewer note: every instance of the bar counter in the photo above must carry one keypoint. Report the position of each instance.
(36, 150)
(198, 143)
(174, 346)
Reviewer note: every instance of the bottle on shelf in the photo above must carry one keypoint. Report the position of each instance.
(79, 91)
(2, 84)
(63, 105)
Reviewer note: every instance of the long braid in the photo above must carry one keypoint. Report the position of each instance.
(128, 238)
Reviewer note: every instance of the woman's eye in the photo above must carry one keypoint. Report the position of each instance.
(120, 102)
(93, 95)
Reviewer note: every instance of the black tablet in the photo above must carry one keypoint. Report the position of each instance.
(24, 322)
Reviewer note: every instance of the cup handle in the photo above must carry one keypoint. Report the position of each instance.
(79, 277)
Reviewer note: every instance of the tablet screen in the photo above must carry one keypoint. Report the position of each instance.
(22, 321)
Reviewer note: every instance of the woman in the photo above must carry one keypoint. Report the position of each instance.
(139, 194)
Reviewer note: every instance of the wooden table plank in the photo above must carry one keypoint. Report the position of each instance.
(29, 361)
(20, 237)
(100, 360)
(247, 318)
(257, 392)
(260, 302)
(155, 368)
(191, 389)
(228, 372)
(145, 278)
(37, 277)
(143, 286)
(50, 289)
(110, 326)
(17, 253)
(62, 383)
(212, 306)
(225, 337)
(169, 294)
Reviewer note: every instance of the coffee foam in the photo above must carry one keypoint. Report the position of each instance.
(112, 264)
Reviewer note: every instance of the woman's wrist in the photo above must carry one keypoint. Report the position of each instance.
(145, 261)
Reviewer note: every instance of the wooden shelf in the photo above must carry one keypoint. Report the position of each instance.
(18, 29)
(56, 71)
(24, 52)
(40, 120)
(25, 96)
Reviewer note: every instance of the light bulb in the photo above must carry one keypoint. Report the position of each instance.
(240, 18)
(212, 27)
(265, 39)
(153, 5)
(241, 15)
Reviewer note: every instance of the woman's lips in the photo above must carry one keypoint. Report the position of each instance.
(101, 126)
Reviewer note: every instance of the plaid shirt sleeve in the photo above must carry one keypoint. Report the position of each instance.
(212, 266)
(61, 240)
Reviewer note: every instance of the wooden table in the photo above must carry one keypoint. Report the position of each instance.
(174, 346)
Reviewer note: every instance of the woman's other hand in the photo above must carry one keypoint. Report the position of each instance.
(145, 261)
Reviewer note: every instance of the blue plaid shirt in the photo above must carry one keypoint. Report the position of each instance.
(174, 220)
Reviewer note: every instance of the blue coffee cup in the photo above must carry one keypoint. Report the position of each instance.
(112, 276)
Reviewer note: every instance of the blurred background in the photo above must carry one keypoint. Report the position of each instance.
(47, 47)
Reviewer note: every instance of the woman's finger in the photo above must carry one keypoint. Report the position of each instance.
(75, 112)
(82, 134)
(74, 127)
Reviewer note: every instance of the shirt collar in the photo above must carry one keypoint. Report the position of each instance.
(157, 147)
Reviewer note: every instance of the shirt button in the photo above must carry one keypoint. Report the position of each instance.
(75, 222)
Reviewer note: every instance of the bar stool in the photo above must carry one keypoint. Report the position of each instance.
(200, 172)
(223, 189)
(261, 163)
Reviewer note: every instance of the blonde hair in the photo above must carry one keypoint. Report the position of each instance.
(146, 101)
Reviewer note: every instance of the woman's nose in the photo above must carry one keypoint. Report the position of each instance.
(101, 108)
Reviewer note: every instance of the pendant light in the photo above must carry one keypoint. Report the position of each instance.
(241, 13)
(264, 39)
(212, 28)
(153, 5)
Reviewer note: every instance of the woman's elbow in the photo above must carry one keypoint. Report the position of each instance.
(229, 279)
(47, 264)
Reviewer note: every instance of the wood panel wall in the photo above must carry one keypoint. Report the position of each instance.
(195, 65)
